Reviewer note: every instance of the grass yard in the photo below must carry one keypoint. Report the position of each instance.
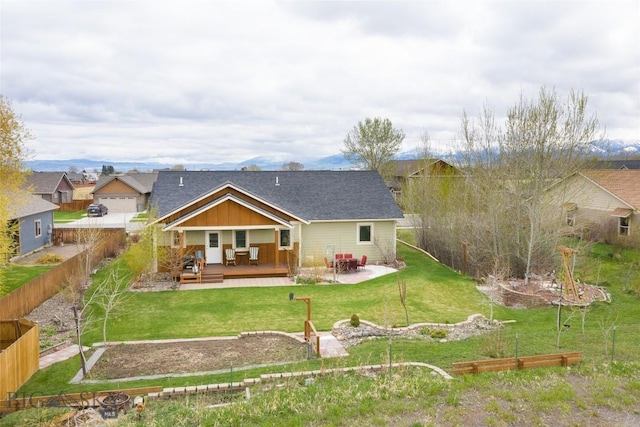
(140, 217)
(17, 275)
(434, 294)
(65, 217)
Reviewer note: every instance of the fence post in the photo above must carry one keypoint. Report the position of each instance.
(516, 354)
(613, 342)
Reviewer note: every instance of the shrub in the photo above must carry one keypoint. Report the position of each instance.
(50, 259)
(438, 334)
(306, 280)
(355, 321)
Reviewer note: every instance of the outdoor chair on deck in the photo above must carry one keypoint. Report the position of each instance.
(231, 256)
(253, 254)
(362, 262)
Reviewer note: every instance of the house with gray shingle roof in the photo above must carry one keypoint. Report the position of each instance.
(606, 202)
(124, 193)
(293, 217)
(33, 218)
(54, 187)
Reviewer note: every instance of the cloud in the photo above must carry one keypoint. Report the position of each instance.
(193, 80)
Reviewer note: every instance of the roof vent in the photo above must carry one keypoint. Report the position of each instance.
(277, 183)
(181, 183)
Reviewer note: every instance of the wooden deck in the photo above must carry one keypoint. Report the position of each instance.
(243, 271)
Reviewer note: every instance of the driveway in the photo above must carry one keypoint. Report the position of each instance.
(111, 220)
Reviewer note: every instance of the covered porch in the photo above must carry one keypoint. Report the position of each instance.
(214, 266)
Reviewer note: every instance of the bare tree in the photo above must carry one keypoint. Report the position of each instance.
(88, 241)
(498, 212)
(402, 290)
(110, 294)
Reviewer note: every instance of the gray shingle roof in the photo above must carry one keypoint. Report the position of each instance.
(46, 182)
(309, 195)
(141, 182)
(28, 204)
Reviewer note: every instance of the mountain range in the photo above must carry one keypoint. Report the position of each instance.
(608, 148)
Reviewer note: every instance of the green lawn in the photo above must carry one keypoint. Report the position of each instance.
(140, 217)
(434, 294)
(17, 275)
(64, 217)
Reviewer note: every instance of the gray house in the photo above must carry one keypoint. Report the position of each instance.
(292, 217)
(34, 218)
(54, 187)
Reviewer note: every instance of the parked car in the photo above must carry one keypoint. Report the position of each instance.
(97, 210)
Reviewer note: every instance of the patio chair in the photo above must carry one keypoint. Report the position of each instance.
(362, 262)
(253, 254)
(231, 256)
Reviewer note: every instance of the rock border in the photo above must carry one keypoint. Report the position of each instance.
(348, 335)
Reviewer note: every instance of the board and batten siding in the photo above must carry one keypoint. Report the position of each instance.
(318, 239)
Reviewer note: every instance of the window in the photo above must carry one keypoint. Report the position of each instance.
(241, 239)
(365, 234)
(570, 213)
(285, 238)
(571, 218)
(175, 239)
(38, 229)
(623, 226)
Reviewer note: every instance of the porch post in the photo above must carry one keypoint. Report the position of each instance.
(277, 254)
(181, 243)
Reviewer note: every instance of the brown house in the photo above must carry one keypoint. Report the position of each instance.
(124, 193)
(54, 187)
(405, 170)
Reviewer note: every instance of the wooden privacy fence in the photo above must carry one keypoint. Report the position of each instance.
(29, 296)
(75, 206)
(558, 359)
(19, 354)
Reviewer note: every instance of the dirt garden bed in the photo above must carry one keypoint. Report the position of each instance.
(133, 360)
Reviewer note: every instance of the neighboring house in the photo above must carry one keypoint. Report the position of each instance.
(76, 177)
(54, 187)
(34, 217)
(617, 164)
(605, 202)
(293, 217)
(124, 193)
(405, 170)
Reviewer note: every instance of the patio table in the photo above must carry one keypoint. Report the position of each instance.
(243, 256)
(345, 265)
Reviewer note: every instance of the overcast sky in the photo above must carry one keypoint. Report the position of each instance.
(183, 82)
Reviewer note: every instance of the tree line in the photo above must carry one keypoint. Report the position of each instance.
(490, 215)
